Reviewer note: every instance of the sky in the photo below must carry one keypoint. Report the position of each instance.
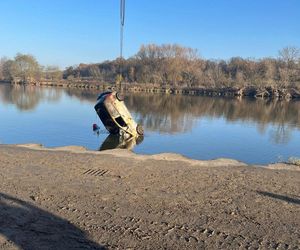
(69, 32)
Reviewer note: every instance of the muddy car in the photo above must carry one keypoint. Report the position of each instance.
(115, 116)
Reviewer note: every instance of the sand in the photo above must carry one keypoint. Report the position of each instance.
(71, 198)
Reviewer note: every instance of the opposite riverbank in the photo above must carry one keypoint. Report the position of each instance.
(71, 198)
(246, 91)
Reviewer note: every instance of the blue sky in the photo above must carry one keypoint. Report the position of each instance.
(68, 32)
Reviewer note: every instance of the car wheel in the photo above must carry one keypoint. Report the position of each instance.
(140, 129)
(119, 96)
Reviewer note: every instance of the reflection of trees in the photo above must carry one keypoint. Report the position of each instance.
(52, 94)
(162, 112)
(170, 118)
(83, 94)
(177, 113)
(281, 134)
(27, 97)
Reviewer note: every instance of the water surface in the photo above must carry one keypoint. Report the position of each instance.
(253, 131)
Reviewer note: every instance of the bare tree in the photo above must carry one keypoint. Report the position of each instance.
(52, 73)
(6, 69)
(25, 67)
(2, 63)
(172, 64)
(289, 54)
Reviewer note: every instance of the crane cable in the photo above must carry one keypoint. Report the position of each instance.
(122, 19)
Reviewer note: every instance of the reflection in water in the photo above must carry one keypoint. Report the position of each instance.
(163, 113)
(116, 141)
(174, 114)
(165, 117)
(27, 97)
(281, 134)
(83, 94)
(179, 112)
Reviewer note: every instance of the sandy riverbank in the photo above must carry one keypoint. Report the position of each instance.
(69, 198)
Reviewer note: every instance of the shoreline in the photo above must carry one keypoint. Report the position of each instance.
(68, 197)
(160, 156)
(236, 92)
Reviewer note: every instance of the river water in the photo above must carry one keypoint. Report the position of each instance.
(249, 130)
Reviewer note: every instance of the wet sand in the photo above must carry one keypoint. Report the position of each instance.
(69, 198)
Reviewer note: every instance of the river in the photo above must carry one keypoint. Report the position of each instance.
(254, 131)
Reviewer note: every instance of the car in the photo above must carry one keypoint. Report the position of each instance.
(115, 116)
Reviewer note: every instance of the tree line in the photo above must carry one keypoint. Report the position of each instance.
(169, 65)
(25, 69)
(175, 65)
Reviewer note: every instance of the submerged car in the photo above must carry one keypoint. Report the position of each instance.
(115, 116)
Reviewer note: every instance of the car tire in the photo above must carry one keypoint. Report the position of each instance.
(140, 129)
(119, 96)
